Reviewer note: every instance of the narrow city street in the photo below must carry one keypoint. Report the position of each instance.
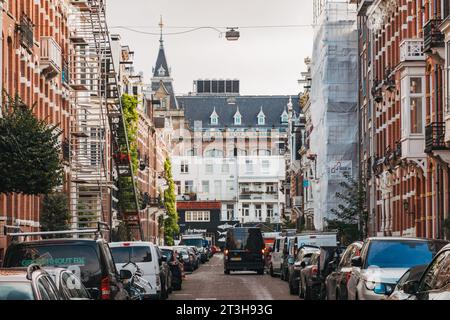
(210, 283)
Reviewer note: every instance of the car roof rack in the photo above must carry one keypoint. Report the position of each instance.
(101, 226)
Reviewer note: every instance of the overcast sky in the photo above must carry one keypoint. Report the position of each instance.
(266, 60)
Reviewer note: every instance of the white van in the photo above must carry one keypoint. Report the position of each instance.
(316, 239)
(145, 255)
(279, 250)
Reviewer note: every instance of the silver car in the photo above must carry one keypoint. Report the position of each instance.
(383, 261)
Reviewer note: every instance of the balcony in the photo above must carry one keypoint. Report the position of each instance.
(432, 36)
(411, 50)
(435, 137)
(25, 29)
(51, 58)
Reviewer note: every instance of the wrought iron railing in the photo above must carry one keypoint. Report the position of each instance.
(26, 32)
(435, 137)
(432, 36)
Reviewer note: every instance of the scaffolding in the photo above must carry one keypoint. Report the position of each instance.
(334, 100)
(102, 186)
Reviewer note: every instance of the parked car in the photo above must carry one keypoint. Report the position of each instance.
(277, 255)
(176, 268)
(32, 283)
(244, 250)
(187, 257)
(197, 256)
(435, 281)
(288, 257)
(336, 281)
(309, 286)
(303, 255)
(197, 241)
(166, 274)
(383, 261)
(92, 256)
(68, 284)
(145, 255)
(413, 274)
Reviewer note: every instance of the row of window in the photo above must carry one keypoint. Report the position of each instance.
(216, 153)
(237, 118)
(225, 167)
(197, 216)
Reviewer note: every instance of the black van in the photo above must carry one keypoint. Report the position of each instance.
(93, 257)
(244, 250)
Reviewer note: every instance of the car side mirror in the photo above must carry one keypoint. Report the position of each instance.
(411, 287)
(125, 274)
(356, 261)
(164, 259)
(303, 264)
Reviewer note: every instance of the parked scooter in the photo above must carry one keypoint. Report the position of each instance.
(137, 287)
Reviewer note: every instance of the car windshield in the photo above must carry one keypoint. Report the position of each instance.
(134, 254)
(83, 256)
(16, 291)
(399, 254)
(192, 242)
(245, 239)
(168, 254)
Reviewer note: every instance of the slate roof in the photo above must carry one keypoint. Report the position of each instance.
(200, 108)
(161, 61)
(169, 87)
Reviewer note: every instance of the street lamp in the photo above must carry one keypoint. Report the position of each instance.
(232, 35)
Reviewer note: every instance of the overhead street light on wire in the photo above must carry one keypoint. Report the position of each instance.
(232, 34)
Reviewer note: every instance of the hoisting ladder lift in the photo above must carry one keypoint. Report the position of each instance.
(98, 128)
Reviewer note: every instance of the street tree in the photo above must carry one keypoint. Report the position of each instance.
(29, 151)
(350, 216)
(55, 213)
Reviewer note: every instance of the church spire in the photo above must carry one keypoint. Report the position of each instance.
(161, 68)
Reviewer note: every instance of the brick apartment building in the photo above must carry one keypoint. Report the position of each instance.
(404, 155)
(34, 50)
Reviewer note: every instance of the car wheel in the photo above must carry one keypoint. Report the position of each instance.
(226, 271)
(271, 271)
(261, 271)
(307, 293)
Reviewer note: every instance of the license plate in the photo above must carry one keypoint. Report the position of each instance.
(236, 259)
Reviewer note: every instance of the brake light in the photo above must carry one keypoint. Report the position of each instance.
(347, 276)
(314, 270)
(105, 289)
(126, 244)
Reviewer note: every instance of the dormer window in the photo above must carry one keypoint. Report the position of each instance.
(161, 71)
(261, 118)
(237, 118)
(284, 117)
(214, 118)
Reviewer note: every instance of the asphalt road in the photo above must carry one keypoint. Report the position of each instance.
(209, 282)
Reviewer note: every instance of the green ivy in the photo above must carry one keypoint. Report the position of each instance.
(171, 227)
(129, 106)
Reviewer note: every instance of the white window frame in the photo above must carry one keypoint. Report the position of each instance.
(406, 105)
(261, 120)
(184, 167)
(237, 120)
(197, 216)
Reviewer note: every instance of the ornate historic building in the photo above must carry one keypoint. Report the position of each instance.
(401, 101)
